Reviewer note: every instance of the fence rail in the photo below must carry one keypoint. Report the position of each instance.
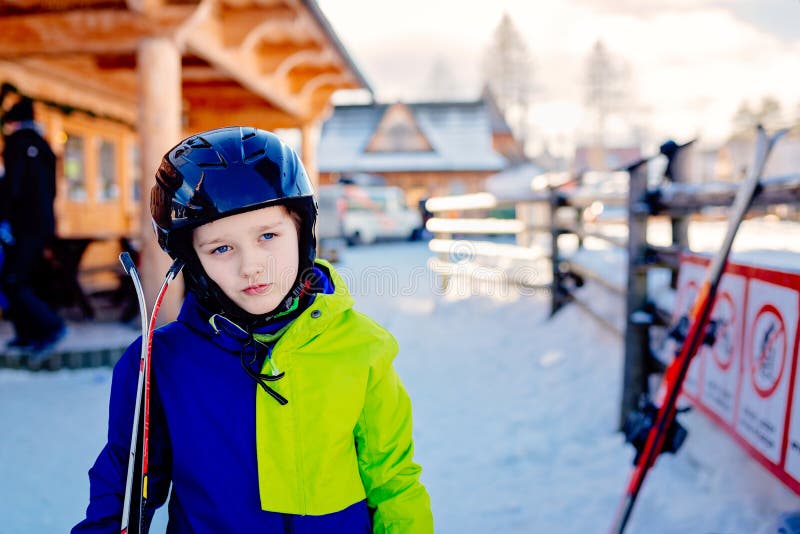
(554, 207)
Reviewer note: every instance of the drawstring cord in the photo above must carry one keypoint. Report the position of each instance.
(262, 379)
(292, 304)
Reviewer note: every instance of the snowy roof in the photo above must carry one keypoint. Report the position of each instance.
(460, 134)
(515, 180)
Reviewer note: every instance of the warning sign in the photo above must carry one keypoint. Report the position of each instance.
(768, 350)
(689, 279)
(746, 377)
(765, 388)
(722, 371)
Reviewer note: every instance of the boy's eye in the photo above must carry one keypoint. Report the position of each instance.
(221, 249)
(267, 236)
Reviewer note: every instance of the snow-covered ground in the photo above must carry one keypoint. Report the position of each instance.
(515, 418)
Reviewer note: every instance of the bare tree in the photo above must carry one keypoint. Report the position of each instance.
(508, 71)
(744, 119)
(607, 86)
(769, 115)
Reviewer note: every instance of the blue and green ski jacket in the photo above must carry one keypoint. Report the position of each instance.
(338, 458)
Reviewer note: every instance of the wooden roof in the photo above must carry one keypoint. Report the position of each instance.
(269, 63)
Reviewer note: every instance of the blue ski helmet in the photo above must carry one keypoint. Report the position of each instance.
(223, 172)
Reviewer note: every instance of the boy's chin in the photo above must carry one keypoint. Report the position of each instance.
(259, 309)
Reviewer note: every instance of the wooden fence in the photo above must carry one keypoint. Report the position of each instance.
(470, 242)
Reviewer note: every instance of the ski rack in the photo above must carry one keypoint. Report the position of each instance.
(699, 318)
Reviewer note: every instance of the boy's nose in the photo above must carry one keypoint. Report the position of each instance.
(252, 265)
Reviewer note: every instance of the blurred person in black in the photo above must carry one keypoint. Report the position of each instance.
(28, 192)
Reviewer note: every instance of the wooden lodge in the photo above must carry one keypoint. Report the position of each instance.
(426, 148)
(116, 83)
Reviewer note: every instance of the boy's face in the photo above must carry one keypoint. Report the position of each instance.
(252, 256)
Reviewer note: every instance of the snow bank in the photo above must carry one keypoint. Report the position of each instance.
(515, 418)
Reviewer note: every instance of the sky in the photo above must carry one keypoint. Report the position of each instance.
(692, 62)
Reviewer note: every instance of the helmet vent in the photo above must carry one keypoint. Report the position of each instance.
(207, 161)
(254, 155)
(198, 142)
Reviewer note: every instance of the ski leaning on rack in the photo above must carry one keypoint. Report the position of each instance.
(664, 426)
(133, 510)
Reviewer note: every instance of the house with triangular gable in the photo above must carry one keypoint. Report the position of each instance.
(427, 148)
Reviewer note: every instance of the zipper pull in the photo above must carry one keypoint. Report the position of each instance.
(273, 367)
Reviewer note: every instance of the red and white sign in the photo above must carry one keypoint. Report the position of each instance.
(764, 397)
(722, 371)
(747, 381)
(690, 278)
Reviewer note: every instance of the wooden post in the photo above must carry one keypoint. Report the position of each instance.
(680, 240)
(579, 225)
(310, 133)
(159, 75)
(522, 212)
(556, 296)
(637, 340)
(680, 225)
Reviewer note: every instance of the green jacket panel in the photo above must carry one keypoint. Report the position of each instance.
(346, 432)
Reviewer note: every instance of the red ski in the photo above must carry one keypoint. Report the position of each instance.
(664, 423)
(133, 511)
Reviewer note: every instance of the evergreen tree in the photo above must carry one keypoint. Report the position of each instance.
(508, 71)
(607, 80)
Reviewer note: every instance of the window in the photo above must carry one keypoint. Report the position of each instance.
(75, 168)
(135, 171)
(107, 167)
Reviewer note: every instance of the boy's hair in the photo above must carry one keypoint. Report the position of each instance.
(223, 172)
(297, 219)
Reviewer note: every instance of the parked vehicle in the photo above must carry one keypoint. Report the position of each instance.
(365, 214)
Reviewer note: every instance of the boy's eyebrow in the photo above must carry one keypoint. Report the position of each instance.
(263, 228)
(269, 226)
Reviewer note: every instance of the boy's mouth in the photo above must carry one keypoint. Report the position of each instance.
(257, 289)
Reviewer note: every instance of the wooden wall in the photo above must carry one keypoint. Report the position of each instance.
(419, 185)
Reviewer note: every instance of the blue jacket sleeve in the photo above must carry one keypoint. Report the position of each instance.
(108, 475)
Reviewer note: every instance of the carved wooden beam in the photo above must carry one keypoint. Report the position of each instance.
(269, 57)
(262, 116)
(338, 80)
(145, 6)
(222, 95)
(302, 76)
(84, 31)
(306, 57)
(46, 81)
(239, 26)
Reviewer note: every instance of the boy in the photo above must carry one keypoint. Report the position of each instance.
(274, 407)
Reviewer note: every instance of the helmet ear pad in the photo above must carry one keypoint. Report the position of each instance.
(304, 210)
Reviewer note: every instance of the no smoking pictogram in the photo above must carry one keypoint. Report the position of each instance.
(767, 350)
(724, 316)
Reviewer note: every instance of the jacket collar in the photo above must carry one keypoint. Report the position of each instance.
(332, 301)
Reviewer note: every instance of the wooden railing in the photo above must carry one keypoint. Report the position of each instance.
(466, 244)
